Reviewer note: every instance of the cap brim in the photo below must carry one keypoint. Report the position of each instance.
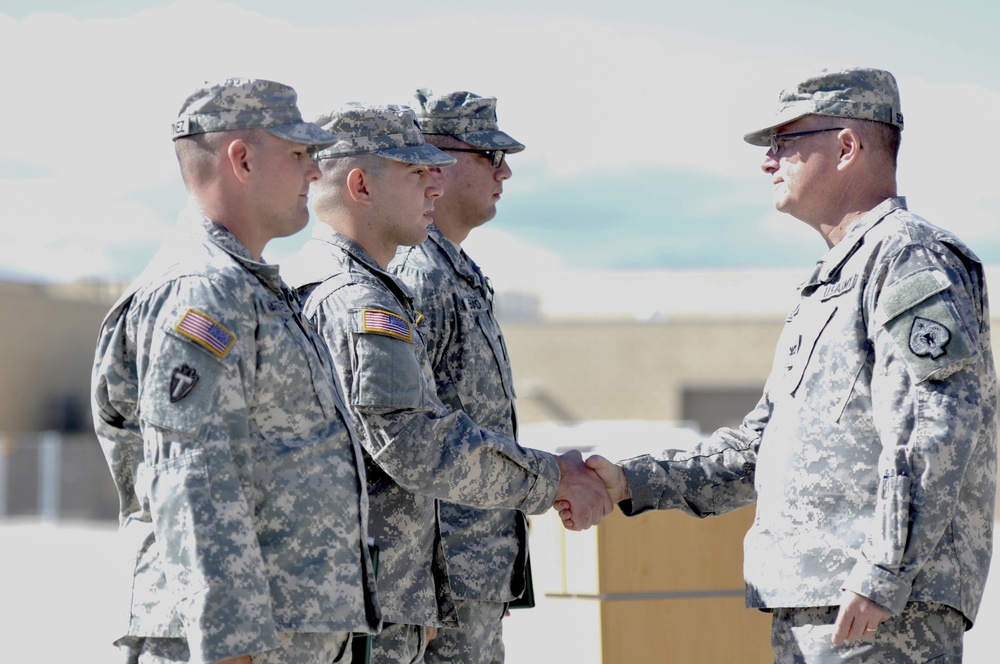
(424, 154)
(492, 140)
(762, 137)
(305, 133)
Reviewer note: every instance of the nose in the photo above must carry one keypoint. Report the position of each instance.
(504, 172)
(312, 171)
(770, 163)
(436, 187)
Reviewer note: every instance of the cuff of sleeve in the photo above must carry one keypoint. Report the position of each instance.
(882, 587)
(546, 485)
(644, 475)
(211, 640)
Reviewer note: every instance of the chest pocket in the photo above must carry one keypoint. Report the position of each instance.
(288, 363)
(479, 321)
(826, 353)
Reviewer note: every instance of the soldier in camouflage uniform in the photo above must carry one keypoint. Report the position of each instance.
(872, 455)
(237, 466)
(486, 549)
(376, 193)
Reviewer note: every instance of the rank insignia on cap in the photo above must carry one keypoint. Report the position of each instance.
(928, 338)
(204, 331)
(182, 381)
(386, 322)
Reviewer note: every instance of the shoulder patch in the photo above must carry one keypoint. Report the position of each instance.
(205, 332)
(931, 337)
(386, 322)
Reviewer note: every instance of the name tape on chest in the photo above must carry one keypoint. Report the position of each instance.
(386, 322)
(474, 303)
(205, 332)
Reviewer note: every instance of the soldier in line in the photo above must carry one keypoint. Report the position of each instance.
(238, 470)
(486, 550)
(377, 191)
(871, 455)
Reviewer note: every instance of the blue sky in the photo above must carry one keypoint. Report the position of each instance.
(632, 112)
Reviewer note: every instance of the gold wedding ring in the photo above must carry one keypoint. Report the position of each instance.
(869, 629)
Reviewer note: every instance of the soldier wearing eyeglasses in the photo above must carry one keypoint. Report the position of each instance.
(486, 549)
(872, 454)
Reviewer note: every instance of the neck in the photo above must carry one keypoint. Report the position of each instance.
(452, 230)
(365, 234)
(234, 219)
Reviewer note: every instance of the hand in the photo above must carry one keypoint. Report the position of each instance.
(581, 500)
(613, 477)
(858, 619)
(431, 633)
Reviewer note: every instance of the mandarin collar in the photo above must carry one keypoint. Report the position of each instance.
(828, 267)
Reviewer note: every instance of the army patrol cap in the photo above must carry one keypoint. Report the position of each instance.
(247, 103)
(388, 131)
(466, 116)
(859, 93)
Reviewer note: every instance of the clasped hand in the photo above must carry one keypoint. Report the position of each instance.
(588, 491)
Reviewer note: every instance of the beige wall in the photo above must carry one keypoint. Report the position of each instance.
(633, 370)
(48, 337)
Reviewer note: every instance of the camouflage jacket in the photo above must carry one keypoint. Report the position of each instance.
(872, 454)
(414, 444)
(486, 549)
(238, 471)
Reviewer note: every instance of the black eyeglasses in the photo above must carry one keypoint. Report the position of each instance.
(775, 138)
(495, 156)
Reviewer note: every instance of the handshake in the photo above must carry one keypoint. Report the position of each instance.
(588, 490)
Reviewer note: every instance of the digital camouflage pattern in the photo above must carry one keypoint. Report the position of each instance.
(464, 115)
(858, 92)
(485, 549)
(247, 103)
(237, 468)
(400, 644)
(388, 131)
(416, 448)
(479, 640)
(922, 633)
(872, 454)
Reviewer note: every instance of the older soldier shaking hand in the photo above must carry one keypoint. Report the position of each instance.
(872, 454)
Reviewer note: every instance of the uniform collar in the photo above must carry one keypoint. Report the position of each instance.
(459, 260)
(325, 233)
(829, 266)
(207, 230)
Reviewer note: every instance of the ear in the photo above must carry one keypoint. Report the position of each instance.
(850, 149)
(239, 155)
(359, 185)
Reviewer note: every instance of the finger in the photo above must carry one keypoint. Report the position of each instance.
(842, 628)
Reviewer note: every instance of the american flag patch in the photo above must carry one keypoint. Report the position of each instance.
(386, 322)
(199, 328)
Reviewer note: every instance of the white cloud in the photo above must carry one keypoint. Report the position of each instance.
(94, 99)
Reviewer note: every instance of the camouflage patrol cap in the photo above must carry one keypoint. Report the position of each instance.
(247, 103)
(388, 131)
(466, 116)
(862, 93)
